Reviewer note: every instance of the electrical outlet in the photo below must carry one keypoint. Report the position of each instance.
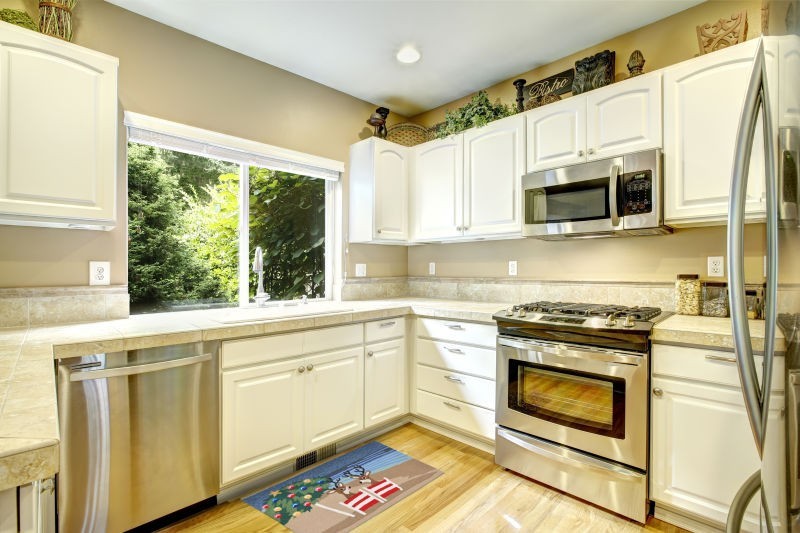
(431, 269)
(361, 270)
(716, 267)
(512, 268)
(99, 272)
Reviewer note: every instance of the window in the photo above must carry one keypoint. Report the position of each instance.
(201, 202)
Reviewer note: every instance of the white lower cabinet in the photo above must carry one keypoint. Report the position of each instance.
(385, 384)
(702, 449)
(28, 508)
(274, 411)
(454, 374)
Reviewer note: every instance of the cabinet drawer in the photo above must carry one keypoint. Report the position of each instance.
(260, 350)
(469, 389)
(458, 414)
(380, 330)
(703, 364)
(458, 357)
(319, 340)
(452, 330)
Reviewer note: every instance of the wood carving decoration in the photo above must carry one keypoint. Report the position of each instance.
(723, 33)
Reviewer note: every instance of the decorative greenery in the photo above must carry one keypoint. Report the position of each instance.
(478, 112)
(20, 18)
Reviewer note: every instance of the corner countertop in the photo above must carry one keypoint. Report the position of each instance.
(29, 432)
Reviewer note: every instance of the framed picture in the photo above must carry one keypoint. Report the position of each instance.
(593, 72)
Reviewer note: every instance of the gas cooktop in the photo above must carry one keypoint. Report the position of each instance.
(613, 326)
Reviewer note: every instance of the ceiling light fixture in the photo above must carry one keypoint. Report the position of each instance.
(408, 54)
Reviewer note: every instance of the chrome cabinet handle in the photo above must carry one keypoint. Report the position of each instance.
(454, 379)
(301, 369)
(370, 354)
(387, 324)
(712, 357)
(454, 350)
(452, 405)
(580, 153)
(310, 367)
(456, 326)
(658, 393)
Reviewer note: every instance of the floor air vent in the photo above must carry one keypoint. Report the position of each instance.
(312, 457)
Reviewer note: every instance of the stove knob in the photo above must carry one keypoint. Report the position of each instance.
(611, 320)
(521, 313)
(510, 311)
(629, 322)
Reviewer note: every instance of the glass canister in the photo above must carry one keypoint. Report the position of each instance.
(687, 294)
(715, 299)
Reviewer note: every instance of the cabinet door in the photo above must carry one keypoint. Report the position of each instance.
(702, 448)
(58, 132)
(624, 117)
(334, 393)
(556, 134)
(703, 99)
(391, 192)
(262, 417)
(789, 72)
(385, 382)
(494, 164)
(437, 185)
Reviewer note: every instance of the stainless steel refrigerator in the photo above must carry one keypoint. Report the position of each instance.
(775, 437)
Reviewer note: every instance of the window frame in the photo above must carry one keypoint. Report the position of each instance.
(205, 143)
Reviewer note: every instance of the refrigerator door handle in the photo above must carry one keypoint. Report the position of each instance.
(740, 502)
(738, 193)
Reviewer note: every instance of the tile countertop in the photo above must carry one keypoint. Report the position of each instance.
(28, 410)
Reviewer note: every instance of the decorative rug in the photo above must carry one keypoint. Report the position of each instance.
(345, 491)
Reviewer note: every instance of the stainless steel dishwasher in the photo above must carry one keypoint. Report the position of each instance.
(139, 435)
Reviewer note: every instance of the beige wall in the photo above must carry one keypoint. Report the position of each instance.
(663, 43)
(172, 75)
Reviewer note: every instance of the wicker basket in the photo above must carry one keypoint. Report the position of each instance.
(407, 134)
(55, 18)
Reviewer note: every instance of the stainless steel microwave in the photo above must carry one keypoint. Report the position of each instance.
(613, 197)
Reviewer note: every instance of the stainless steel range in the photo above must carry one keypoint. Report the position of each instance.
(572, 400)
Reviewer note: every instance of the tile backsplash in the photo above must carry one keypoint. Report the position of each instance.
(39, 306)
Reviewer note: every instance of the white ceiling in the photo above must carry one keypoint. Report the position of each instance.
(350, 45)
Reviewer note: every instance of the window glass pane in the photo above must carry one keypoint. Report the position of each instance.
(183, 228)
(287, 220)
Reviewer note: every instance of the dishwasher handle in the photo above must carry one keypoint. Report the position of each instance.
(138, 369)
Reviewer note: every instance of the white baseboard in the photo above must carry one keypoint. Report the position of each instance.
(453, 434)
(678, 518)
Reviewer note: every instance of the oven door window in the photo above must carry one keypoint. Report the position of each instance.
(570, 398)
(568, 202)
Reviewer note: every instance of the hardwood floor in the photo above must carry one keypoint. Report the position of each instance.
(474, 494)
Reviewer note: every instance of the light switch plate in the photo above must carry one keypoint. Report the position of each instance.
(99, 272)
(361, 270)
(431, 269)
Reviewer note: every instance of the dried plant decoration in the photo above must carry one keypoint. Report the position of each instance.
(55, 18)
(723, 33)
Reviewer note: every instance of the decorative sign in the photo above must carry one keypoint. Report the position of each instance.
(553, 86)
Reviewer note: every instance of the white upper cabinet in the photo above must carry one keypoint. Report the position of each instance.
(58, 132)
(624, 117)
(621, 118)
(437, 184)
(494, 161)
(703, 100)
(378, 192)
(556, 134)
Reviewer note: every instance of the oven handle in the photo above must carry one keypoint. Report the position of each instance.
(564, 455)
(572, 352)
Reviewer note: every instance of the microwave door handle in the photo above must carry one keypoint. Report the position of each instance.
(612, 195)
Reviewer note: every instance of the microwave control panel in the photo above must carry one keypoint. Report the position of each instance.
(637, 192)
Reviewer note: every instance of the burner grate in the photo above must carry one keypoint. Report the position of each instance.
(589, 309)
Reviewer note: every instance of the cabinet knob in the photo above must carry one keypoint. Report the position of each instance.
(658, 393)
(370, 354)
(591, 151)
(466, 228)
(378, 230)
(580, 153)
(459, 228)
(310, 368)
(301, 369)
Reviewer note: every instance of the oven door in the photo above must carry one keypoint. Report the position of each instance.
(583, 198)
(590, 400)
